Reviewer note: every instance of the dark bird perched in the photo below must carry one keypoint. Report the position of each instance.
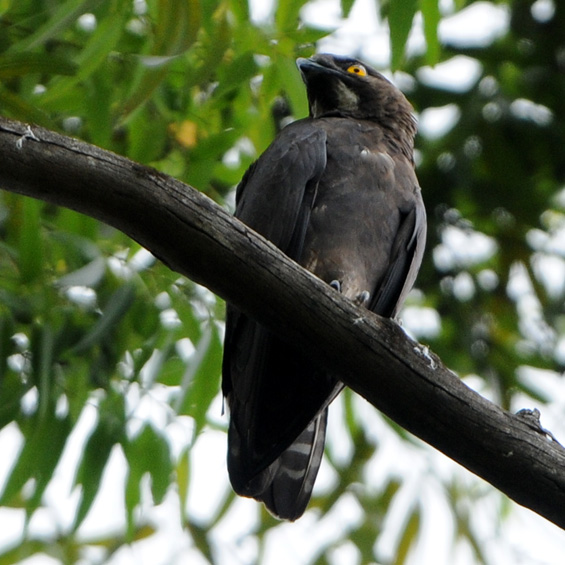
(338, 194)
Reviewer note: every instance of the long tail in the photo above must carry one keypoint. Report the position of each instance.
(286, 485)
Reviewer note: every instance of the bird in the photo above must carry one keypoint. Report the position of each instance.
(337, 193)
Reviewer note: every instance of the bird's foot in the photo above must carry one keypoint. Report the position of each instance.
(363, 298)
(336, 285)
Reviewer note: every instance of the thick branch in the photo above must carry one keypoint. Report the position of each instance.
(195, 237)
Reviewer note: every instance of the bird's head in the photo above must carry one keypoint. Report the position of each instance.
(343, 86)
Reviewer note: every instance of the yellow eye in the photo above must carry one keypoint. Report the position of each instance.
(358, 70)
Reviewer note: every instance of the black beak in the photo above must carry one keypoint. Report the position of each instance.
(311, 67)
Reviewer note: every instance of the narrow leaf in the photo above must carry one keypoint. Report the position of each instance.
(30, 245)
(400, 17)
(287, 14)
(94, 54)
(63, 17)
(183, 481)
(408, 537)
(175, 32)
(107, 433)
(346, 6)
(115, 309)
(44, 368)
(21, 64)
(13, 104)
(431, 16)
(38, 458)
(149, 453)
(201, 381)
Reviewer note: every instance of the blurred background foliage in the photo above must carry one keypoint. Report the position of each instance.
(93, 329)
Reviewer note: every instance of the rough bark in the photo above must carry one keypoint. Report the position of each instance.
(195, 237)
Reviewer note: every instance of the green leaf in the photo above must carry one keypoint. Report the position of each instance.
(239, 71)
(191, 325)
(176, 30)
(94, 54)
(240, 9)
(30, 244)
(400, 17)
(177, 26)
(14, 105)
(101, 93)
(200, 538)
(408, 536)
(346, 6)
(206, 155)
(108, 432)
(6, 333)
(84, 227)
(42, 358)
(183, 480)
(201, 381)
(150, 137)
(161, 358)
(149, 453)
(289, 76)
(12, 389)
(172, 371)
(115, 310)
(287, 14)
(63, 17)
(39, 457)
(431, 16)
(21, 64)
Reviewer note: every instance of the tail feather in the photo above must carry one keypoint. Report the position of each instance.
(285, 486)
(290, 489)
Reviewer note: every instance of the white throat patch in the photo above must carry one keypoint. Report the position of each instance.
(347, 100)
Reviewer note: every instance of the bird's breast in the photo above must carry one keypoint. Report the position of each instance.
(381, 163)
(357, 210)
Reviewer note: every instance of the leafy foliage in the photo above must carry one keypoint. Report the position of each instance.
(91, 325)
(500, 168)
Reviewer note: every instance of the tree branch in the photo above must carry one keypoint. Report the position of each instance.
(197, 238)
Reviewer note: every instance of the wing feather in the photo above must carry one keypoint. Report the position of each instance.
(276, 196)
(276, 395)
(405, 259)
